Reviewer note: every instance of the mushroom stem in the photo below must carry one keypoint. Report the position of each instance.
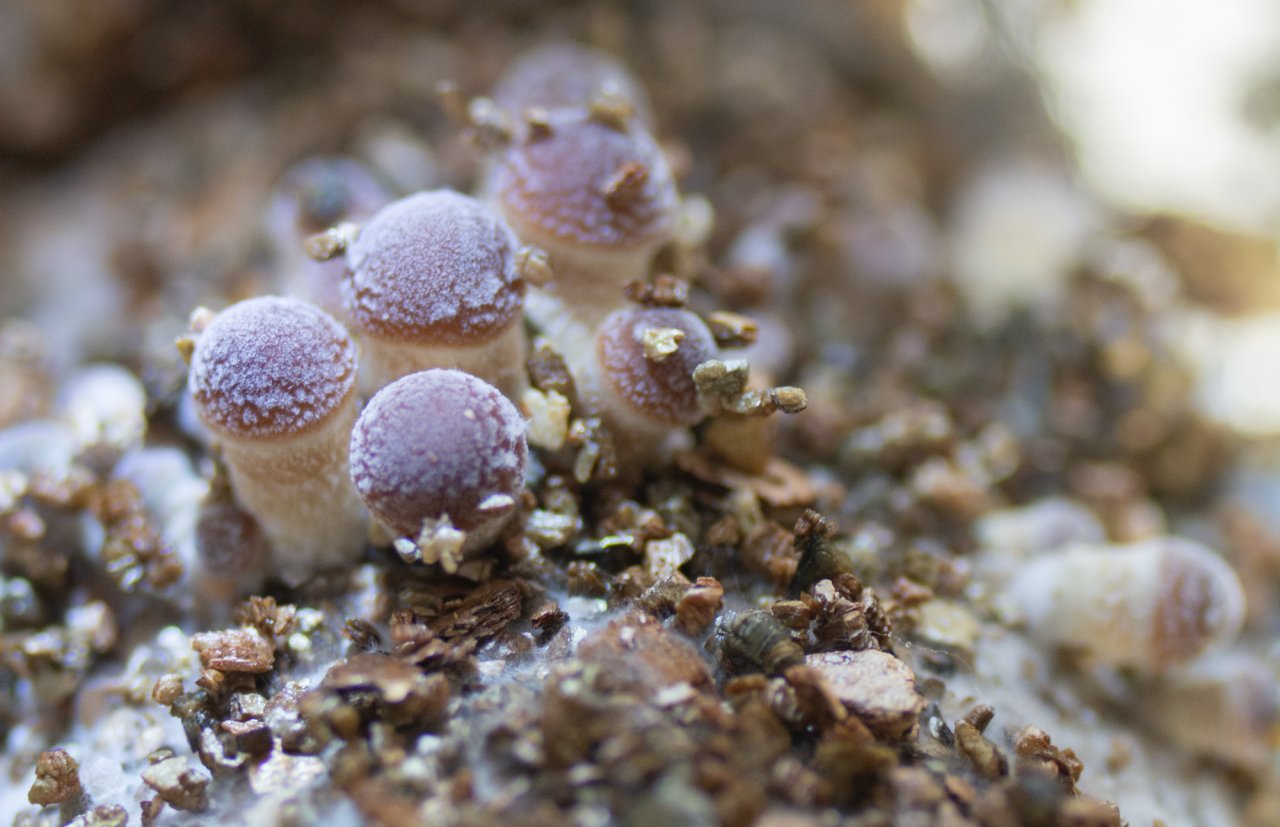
(299, 491)
(500, 362)
(589, 284)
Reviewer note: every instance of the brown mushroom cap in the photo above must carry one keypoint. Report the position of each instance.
(564, 75)
(1199, 603)
(436, 268)
(659, 390)
(587, 183)
(271, 367)
(434, 443)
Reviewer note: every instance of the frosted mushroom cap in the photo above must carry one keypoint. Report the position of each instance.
(587, 183)
(661, 390)
(436, 268)
(271, 367)
(435, 443)
(565, 75)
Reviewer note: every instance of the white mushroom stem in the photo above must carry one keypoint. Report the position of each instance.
(500, 362)
(588, 283)
(298, 489)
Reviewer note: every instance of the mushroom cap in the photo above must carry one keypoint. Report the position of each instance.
(1199, 602)
(230, 543)
(588, 183)
(658, 390)
(436, 268)
(318, 193)
(565, 75)
(271, 367)
(433, 443)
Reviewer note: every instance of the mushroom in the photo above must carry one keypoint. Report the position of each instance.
(638, 377)
(439, 458)
(274, 381)
(434, 283)
(598, 197)
(565, 75)
(1149, 605)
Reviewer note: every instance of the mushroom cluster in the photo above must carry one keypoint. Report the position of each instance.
(427, 321)
(581, 180)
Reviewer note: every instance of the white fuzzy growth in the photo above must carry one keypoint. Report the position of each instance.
(172, 492)
(105, 404)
